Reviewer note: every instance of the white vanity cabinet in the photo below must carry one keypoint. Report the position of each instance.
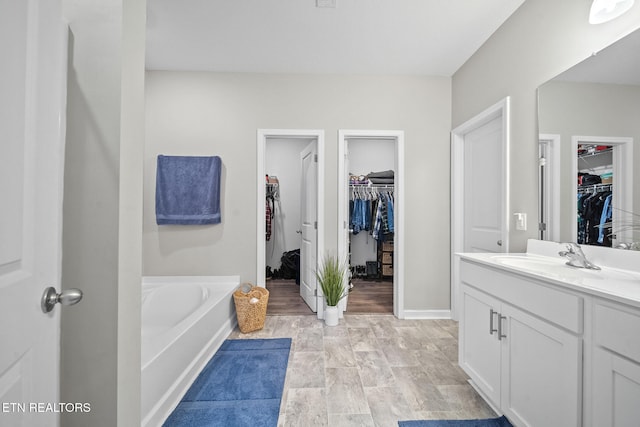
(616, 365)
(521, 345)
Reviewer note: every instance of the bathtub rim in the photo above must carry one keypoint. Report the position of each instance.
(158, 281)
(160, 409)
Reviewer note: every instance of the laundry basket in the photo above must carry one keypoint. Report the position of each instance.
(251, 307)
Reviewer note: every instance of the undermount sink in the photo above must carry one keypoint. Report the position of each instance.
(548, 266)
(542, 265)
(527, 262)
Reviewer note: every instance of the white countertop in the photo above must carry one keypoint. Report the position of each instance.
(617, 284)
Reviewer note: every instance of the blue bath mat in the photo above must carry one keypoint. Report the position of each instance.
(240, 386)
(489, 422)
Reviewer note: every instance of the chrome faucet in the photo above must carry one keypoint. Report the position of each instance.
(576, 257)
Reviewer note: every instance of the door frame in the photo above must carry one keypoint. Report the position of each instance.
(262, 136)
(549, 194)
(622, 166)
(398, 205)
(458, 137)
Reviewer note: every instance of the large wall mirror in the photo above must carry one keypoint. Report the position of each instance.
(589, 125)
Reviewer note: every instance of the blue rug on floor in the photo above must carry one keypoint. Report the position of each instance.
(490, 422)
(240, 386)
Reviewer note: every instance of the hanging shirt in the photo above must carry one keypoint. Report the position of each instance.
(389, 213)
(377, 228)
(268, 218)
(367, 215)
(607, 213)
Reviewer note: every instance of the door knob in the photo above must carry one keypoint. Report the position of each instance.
(51, 297)
(299, 231)
(499, 242)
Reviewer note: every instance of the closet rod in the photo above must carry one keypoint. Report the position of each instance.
(371, 186)
(593, 188)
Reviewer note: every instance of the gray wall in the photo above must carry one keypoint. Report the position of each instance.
(587, 109)
(100, 362)
(540, 40)
(132, 135)
(190, 113)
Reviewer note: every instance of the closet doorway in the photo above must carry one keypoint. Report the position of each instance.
(371, 218)
(290, 224)
(604, 168)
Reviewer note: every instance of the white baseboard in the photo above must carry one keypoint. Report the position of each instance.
(427, 314)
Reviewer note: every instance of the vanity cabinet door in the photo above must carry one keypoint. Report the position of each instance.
(616, 390)
(541, 371)
(479, 350)
(615, 385)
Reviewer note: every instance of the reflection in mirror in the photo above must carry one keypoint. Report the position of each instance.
(589, 125)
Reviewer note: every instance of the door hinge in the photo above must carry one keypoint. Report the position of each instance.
(315, 225)
(315, 158)
(542, 226)
(315, 292)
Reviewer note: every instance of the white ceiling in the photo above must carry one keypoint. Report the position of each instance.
(428, 37)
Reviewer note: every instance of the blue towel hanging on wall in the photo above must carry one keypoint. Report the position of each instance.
(188, 190)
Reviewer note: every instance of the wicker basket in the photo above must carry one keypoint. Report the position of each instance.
(251, 316)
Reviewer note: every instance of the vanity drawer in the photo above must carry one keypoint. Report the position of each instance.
(541, 299)
(616, 328)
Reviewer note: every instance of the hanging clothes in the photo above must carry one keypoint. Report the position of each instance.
(594, 217)
(268, 219)
(377, 228)
(390, 224)
(605, 219)
(272, 194)
(371, 209)
(359, 215)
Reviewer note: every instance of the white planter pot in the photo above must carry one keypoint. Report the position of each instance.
(331, 316)
(342, 306)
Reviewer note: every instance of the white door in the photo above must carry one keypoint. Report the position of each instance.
(483, 175)
(309, 218)
(479, 198)
(32, 93)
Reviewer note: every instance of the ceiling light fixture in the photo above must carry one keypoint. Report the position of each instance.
(606, 10)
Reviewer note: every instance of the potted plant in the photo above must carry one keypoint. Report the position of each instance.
(331, 278)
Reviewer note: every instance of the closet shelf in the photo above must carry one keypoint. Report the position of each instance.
(597, 153)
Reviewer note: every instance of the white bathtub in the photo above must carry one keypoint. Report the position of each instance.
(185, 319)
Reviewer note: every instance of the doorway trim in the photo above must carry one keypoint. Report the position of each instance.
(500, 109)
(549, 194)
(623, 167)
(262, 136)
(398, 205)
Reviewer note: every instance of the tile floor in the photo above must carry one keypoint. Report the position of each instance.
(371, 370)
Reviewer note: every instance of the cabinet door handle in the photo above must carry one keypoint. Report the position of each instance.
(491, 326)
(500, 319)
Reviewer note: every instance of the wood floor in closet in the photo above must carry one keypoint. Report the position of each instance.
(365, 297)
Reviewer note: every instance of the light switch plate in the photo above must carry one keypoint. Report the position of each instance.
(521, 221)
